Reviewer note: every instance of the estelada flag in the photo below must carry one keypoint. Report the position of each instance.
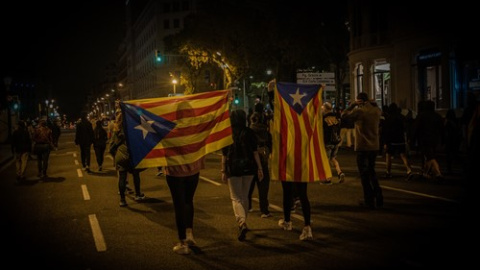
(176, 130)
(298, 150)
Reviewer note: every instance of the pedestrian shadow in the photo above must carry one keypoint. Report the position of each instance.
(51, 179)
(104, 173)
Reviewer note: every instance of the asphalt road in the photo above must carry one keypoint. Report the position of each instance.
(72, 220)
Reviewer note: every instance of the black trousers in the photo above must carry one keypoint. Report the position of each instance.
(301, 191)
(263, 187)
(182, 190)
(371, 188)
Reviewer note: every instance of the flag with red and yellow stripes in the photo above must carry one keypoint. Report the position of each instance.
(176, 130)
(298, 151)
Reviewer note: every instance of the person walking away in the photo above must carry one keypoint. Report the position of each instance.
(43, 140)
(366, 115)
(22, 146)
(332, 139)
(123, 164)
(292, 191)
(182, 180)
(264, 140)
(84, 139)
(100, 139)
(240, 161)
(56, 131)
(394, 137)
(453, 139)
(428, 131)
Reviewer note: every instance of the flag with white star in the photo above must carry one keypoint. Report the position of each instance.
(176, 130)
(298, 151)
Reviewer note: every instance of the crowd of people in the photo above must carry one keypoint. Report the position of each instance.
(362, 126)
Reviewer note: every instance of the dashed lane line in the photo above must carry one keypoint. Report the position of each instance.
(86, 195)
(97, 233)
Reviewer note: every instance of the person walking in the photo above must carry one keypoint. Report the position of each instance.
(366, 115)
(240, 162)
(428, 132)
(100, 139)
(22, 146)
(84, 139)
(182, 180)
(264, 139)
(43, 144)
(292, 192)
(394, 138)
(56, 131)
(332, 139)
(123, 164)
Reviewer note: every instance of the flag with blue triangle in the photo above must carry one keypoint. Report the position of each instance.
(176, 130)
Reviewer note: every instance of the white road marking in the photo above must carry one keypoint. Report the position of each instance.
(97, 233)
(86, 195)
(210, 181)
(420, 194)
(79, 173)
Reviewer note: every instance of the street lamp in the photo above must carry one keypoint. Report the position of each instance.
(8, 82)
(174, 82)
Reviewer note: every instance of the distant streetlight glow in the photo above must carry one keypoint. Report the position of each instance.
(174, 82)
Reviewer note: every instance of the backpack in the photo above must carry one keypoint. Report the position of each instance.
(335, 135)
(238, 161)
(332, 133)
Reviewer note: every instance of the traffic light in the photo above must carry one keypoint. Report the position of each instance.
(236, 100)
(158, 56)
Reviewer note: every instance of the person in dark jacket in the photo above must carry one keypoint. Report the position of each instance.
(428, 132)
(124, 165)
(240, 181)
(84, 139)
(393, 133)
(332, 139)
(22, 146)
(264, 141)
(100, 139)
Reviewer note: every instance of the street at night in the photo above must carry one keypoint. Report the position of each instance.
(72, 220)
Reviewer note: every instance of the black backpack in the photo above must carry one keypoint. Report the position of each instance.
(238, 161)
(332, 132)
(335, 134)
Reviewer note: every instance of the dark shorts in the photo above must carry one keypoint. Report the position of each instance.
(332, 150)
(396, 148)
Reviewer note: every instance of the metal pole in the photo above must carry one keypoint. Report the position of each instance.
(245, 101)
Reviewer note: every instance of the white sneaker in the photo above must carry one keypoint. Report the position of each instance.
(306, 233)
(181, 248)
(287, 226)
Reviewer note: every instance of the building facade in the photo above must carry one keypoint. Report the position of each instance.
(142, 74)
(403, 53)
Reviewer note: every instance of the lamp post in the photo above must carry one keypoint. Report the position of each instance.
(174, 82)
(8, 82)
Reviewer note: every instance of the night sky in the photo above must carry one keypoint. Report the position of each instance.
(66, 45)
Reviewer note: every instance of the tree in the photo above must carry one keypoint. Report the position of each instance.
(252, 36)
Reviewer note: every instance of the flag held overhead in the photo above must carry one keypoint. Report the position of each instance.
(298, 151)
(176, 130)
